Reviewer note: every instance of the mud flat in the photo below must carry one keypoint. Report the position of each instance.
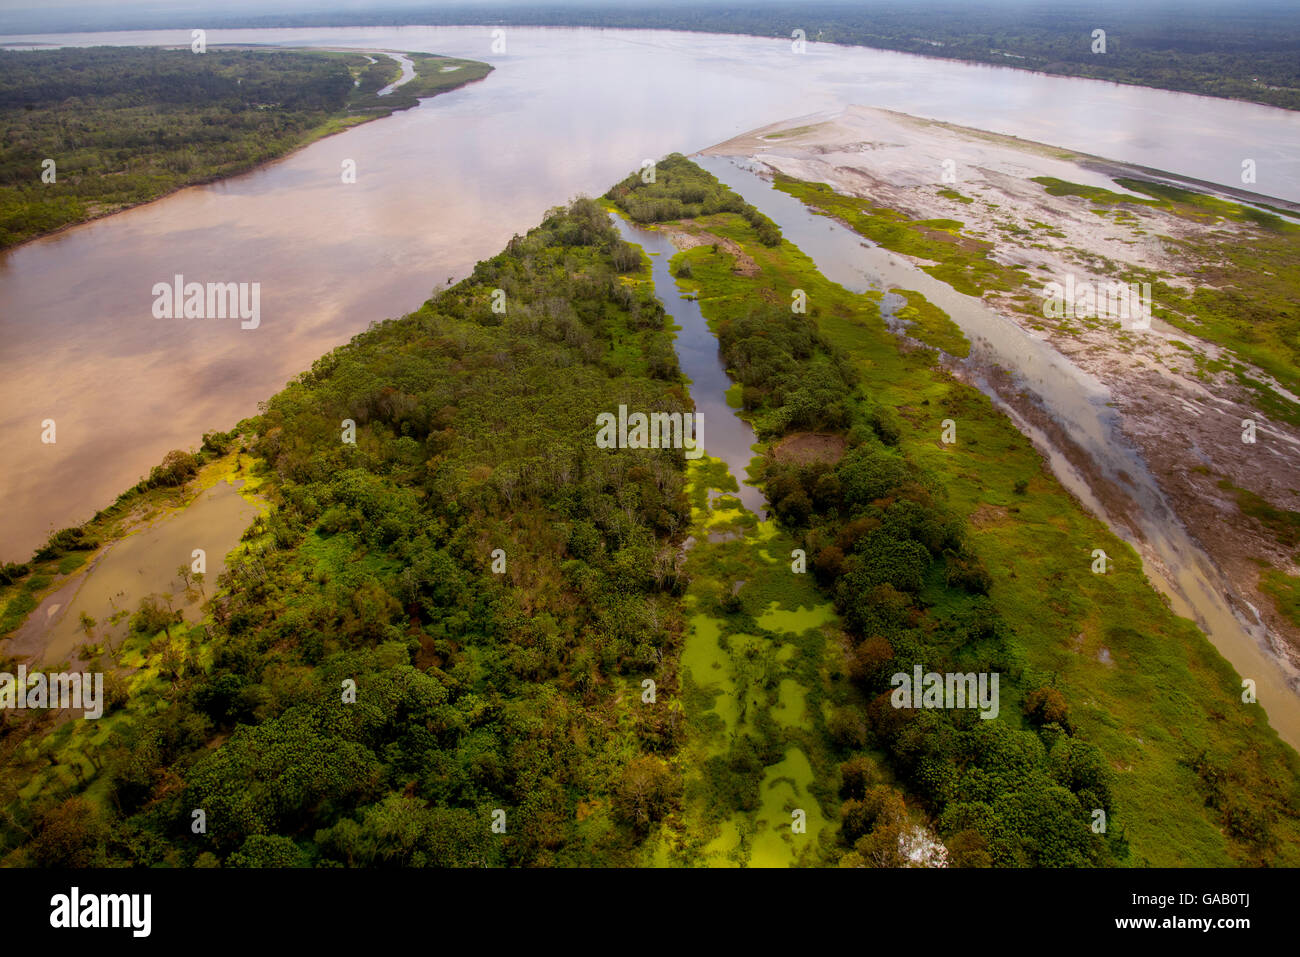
(1143, 425)
(143, 562)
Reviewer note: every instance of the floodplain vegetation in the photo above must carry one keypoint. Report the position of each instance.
(566, 655)
(1239, 291)
(125, 125)
(970, 556)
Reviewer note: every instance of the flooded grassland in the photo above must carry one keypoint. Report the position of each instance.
(1144, 422)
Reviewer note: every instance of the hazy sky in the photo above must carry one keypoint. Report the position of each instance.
(228, 7)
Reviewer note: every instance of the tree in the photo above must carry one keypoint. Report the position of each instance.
(177, 468)
(858, 775)
(69, 835)
(268, 850)
(1047, 706)
(154, 615)
(968, 849)
(645, 791)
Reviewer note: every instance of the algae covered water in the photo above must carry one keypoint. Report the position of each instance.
(745, 690)
(1076, 401)
(726, 435)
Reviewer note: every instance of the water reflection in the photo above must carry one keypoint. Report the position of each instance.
(440, 187)
(726, 435)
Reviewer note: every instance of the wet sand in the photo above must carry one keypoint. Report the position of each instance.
(1084, 397)
(144, 562)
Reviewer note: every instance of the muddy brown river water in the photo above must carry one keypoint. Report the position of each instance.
(141, 564)
(438, 188)
(1078, 403)
(441, 186)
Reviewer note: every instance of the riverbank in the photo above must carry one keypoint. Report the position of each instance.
(65, 180)
(332, 258)
(127, 552)
(127, 605)
(1247, 58)
(1144, 686)
(453, 610)
(1017, 216)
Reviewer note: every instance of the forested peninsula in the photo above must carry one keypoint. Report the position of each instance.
(462, 634)
(89, 132)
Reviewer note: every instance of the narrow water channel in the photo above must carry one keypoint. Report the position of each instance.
(1078, 402)
(443, 186)
(408, 73)
(726, 436)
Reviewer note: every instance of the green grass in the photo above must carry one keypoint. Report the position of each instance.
(1246, 289)
(954, 195)
(1166, 703)
(959, 260)
(794, 131)
(1060, 187)
(1282, 524)
(16, 609)
(1284, 589)
(932, 325)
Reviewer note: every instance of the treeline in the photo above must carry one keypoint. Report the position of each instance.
(235, 80)
(495, 585)
(125, 125)
(1196, 47)
(790, 377)
(1018, 790)
(681, 190)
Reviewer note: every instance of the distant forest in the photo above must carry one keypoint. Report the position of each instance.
(125, 126)
(1239, 51)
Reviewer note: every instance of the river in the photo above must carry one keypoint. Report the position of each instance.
(1077, 401)
(727, 437)
(408, 74)
(438, 187)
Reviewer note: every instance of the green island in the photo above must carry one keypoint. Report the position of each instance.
(565, 655)
(124, 126)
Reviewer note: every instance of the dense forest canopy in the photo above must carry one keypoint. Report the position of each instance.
(498, 588)
(895, 560)
(477, 689)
